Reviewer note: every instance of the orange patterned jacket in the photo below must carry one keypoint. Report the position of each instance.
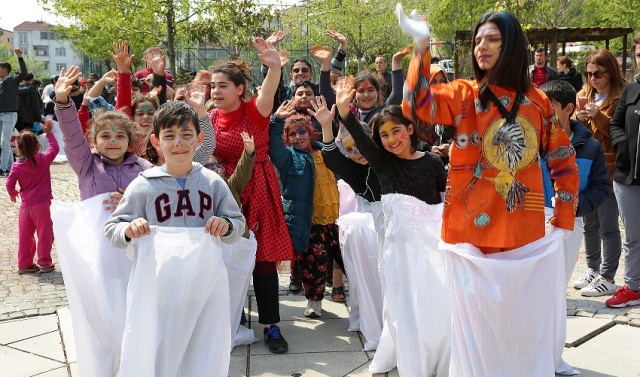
(494, 198)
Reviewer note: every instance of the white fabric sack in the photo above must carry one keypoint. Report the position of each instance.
(414, 286)
(504, 307)
(348, 204)
(178, 321)
(95, 278)
(239, 259)
(358, 241)
(384, 359)
(571, 245)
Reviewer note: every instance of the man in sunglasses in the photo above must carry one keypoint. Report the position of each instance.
(540, 72)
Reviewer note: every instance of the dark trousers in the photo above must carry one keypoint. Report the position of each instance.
(265, 285)
(323, 244)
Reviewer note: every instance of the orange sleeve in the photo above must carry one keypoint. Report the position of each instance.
(445, 104)
(561, 160)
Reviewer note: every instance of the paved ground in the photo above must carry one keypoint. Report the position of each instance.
(43, 346)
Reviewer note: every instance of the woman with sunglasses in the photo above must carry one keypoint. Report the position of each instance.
(625, 138)
(602, 240)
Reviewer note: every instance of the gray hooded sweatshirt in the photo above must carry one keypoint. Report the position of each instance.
(157, 197)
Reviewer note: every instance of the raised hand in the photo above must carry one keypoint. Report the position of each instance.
(249, 144)
(322, 53)
(48, 126)
(110, 76)
(285, 110)
(65, 82)
(276, 37)
(121, 57)
(284, 57)
(320, 111)
(414, 26)
(396, 60)
(267, 54)
(338, 38)
(195, 97)
(158, 64)
(344, 94)
(18, 52)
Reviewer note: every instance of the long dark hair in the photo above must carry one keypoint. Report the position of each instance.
(512, 68)
(238, 72)
(391, 113)
(27, 143)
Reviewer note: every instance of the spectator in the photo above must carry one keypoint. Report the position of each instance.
(48, 90)
(29, 105)
(149, 55)
(383, 76)
(566, 72)
(9, 109)
(540, 72)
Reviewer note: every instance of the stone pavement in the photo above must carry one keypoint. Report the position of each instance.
(35, 336)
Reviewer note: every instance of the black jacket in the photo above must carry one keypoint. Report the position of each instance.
(9, 90)
(29, 104)
(625, 137)
(573, 78)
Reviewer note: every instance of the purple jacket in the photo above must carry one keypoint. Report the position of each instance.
(96, 174)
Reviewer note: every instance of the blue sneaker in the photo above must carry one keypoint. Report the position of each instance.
(274, 339)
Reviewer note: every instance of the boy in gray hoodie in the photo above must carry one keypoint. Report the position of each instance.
(179, 193)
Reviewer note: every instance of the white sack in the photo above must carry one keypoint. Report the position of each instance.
(239, 259)
(504, 307)
(95, 278)
(384, 359)
(358, 242)
(178, 321)
(414, 286)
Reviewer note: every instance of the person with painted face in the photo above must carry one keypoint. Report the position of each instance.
(493, 216)
(369, 98)
(309, 194)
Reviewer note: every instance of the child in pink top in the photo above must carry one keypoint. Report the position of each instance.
(31, 172)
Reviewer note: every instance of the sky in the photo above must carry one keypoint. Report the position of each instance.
(23, 10)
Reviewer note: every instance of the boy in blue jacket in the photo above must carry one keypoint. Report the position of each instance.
(594, 178)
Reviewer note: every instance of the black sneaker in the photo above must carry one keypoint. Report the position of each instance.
(4, 173)
(274, 339)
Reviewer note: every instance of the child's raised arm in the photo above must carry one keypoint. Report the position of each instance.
(324, 116)
(195, 97)
(242, 174)
(278, 153)
(123, 60)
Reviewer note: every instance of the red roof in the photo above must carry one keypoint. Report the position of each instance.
(37, 25)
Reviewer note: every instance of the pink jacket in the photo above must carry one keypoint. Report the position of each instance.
(35, 183)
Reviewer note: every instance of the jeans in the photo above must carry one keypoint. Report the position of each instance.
(8, 122)
(601, 227)
(629, 200)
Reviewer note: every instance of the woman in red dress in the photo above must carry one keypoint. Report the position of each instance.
(261, 201)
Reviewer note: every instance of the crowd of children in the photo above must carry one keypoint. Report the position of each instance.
(266, 167)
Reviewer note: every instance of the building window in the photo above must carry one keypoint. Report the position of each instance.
(53, 36)
(41, 50)
(61, 51)
(46, 65)
(23, 38)
(59, 67)
(44, 35)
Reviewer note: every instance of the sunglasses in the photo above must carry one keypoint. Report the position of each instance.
(303, 70)
(596, 74)
(299, 131)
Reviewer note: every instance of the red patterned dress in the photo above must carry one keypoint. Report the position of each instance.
(261, 200)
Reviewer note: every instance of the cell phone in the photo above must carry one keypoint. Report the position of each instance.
(582, 101)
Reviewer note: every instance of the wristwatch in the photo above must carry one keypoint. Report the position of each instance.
(230, 224)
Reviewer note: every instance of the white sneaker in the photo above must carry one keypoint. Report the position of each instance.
(599, 287)
(585, 279)
(314, 309)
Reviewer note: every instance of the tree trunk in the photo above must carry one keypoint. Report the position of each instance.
(171, 34)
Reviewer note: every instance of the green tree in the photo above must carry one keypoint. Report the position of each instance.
(34, 66)
(370, 26)
(234, 26)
